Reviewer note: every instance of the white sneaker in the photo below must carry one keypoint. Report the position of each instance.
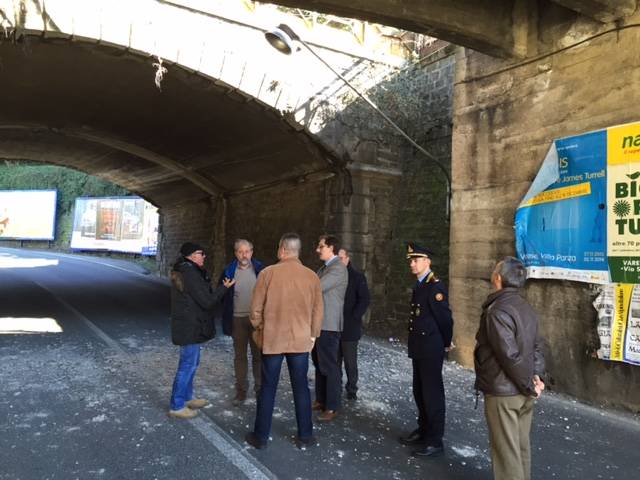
(185, 412)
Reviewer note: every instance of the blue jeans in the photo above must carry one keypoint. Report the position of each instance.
(183, 383)
(298, 364)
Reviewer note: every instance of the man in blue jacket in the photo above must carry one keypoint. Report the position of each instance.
(356, 302)
(235, 316)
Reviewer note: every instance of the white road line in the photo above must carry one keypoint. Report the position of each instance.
(226, 445)
(232, 450)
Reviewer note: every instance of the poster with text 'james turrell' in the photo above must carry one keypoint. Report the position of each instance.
(580, 220)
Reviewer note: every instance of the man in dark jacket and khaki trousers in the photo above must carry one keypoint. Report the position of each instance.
(508, 365)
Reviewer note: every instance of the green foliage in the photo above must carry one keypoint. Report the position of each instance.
(69, 183)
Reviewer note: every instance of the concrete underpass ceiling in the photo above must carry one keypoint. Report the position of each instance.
(97, 109)
(495, 27)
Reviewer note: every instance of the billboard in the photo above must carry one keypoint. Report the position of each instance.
(580, 219)
(27, 214)
(119, 224)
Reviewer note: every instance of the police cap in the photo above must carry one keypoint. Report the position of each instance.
(414, 251)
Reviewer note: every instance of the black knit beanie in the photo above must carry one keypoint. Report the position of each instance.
(189, 247)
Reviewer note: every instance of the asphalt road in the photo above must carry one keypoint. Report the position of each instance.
(86, 367)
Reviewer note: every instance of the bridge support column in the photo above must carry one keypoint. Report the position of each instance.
(363, 221)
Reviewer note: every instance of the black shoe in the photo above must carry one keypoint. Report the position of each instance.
(414, 438)
(254, 441)
(429, 451)
(352, 396)
(302, 443)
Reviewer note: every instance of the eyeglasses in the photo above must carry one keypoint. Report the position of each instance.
(200, 252)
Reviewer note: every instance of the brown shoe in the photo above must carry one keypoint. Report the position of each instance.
(317, 406)
(239, 399)
(197, 403)
(327, 415)
(183, 413)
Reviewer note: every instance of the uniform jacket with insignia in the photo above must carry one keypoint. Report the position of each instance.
(430, 323)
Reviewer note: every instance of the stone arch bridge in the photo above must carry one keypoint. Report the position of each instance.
(242, 142)
(229, 115)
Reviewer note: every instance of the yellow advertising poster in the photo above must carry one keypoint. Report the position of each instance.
(623, 198)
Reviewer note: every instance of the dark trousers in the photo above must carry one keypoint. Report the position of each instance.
(349, 356)
(328, 372)
(428, 392)
(298, 364)
(241, 334)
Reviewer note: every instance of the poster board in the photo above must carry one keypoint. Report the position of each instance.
(28, 214)
(580, 220)
(119, 224)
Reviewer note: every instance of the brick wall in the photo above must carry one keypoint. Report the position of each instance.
(193, 222)
(418, 204)
(263, 217)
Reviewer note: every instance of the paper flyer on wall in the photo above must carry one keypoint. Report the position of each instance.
(618, 307)
(580, 220)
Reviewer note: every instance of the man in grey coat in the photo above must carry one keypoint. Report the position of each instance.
(334, 279)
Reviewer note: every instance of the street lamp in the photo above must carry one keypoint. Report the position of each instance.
(283, 39)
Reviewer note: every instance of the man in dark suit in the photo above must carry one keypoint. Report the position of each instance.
(430, 332)
(356, 302)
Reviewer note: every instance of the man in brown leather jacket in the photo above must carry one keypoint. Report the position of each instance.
(508, 365)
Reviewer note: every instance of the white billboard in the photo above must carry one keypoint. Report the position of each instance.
(119, 224)
(28, 214)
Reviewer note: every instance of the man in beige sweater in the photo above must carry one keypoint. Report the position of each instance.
(286, 311)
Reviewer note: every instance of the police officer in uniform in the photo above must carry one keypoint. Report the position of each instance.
(430, 332)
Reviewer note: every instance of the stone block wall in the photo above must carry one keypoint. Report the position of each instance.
(505, 118)
(419, 201)
(189, 222)
(264, 216)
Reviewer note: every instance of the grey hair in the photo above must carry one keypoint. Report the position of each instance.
(291, 243)
(241, 241)
(513, 272)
